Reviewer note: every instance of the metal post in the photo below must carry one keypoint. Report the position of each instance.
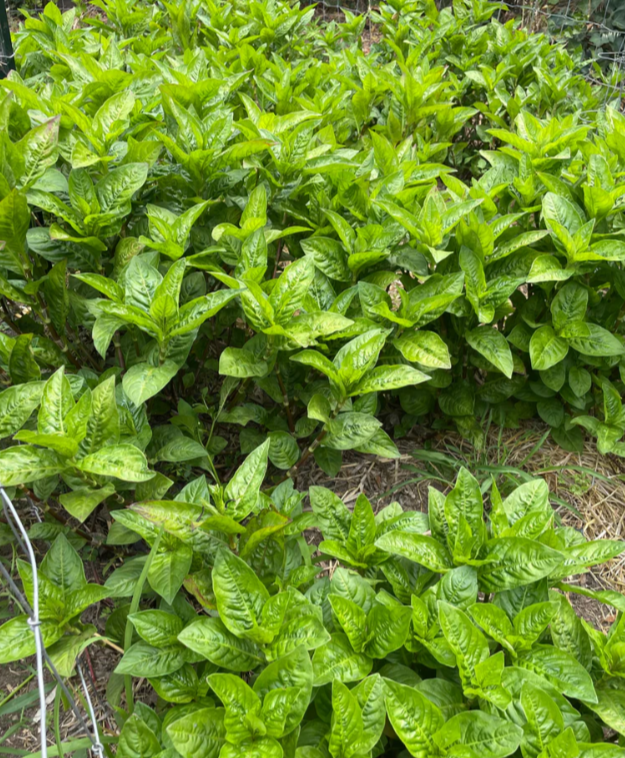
(7, 58)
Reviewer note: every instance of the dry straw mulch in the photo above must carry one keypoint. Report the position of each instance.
(588, 489)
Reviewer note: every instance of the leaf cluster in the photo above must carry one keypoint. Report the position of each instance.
(444, 634)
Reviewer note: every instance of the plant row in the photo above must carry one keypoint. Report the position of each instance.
(449, 633)
(223, 219)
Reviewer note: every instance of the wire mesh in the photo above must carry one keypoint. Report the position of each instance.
(34, 622)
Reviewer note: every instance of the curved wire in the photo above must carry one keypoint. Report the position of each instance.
(34, 622)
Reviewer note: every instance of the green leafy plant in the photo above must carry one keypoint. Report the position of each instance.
(233, 244)
(454, 625)
(446, 246)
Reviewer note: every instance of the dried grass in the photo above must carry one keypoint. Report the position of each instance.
(588, 488)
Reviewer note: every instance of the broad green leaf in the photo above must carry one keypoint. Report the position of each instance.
(242, 491)
(22, 364)
(569, 305)
(39, 149)
(240, 595)
(168, 570)
(179, 687)
(591, 339)
(544, 719)
(319, 362)
(352, 619)
(347, 724)
(193, 314)
(350, 585)
(568, 632)
(349, 430)
(609, 705)
(512, 562)
(413, 717)
(102, 426)
(464, 501)
(199, 734)
(358, 356)
(65, 446)
(283, 450)
(241, 363)
(56, 401)
(424, 347)
(242, 705)
(117, 187)
(142, 659)
(384, 378)
(14, 223)
(278, 704)
(337, 660)
(81, 502)
(292, 670)
(532, 621)
(124, 462)
(493, 346)
(264, 747)
(16, 405)
(362, 527)
(419, 548)
(546, 348)
(211, 639)
(137, 740)
(17, 640)
(142, 381)
(288, 294)
(459, 587)
(370, 694)
(333, 517)
(63, 566)
(467, 642)
(494, 622)
(24, 463)
(64, 653)
(561, 669)
(480, 734)
(387, 628)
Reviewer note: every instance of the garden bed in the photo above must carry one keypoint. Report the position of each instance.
(266, 274)
(591, 485)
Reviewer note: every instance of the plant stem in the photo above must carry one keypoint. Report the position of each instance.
(315, 444)
(57, 720)
(118, 351)
(9, 319)
(285, 400)
(240, 391)
(108, 642)
(14, 692)
(134, 605)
